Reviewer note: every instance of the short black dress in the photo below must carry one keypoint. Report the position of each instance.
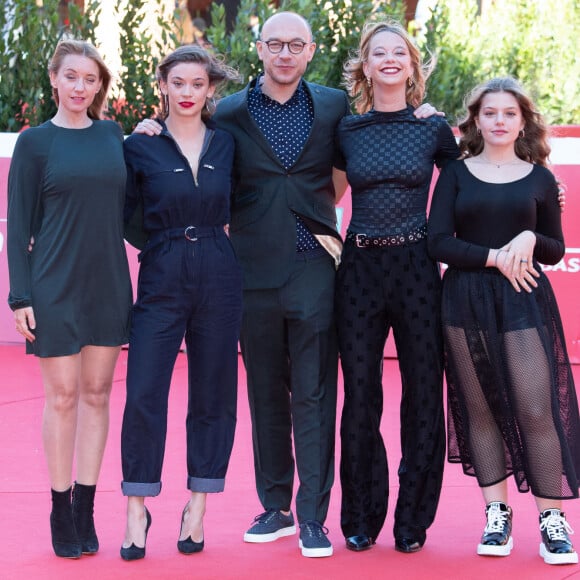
(512, 401)
(66, 188)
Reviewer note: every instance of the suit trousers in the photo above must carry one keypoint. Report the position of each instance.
(192, 289)
(396, 287)
(288, 343)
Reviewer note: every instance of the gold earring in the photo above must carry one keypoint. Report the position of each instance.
(410, 81)
(369, 82)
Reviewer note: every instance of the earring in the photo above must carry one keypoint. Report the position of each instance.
(165, 104)
(410, 81)
(521, 134)
(369, 82)
(479, 132)
(210, 105)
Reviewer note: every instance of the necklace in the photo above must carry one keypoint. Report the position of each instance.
(499, 165)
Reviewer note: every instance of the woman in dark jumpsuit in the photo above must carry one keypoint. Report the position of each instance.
(189, 285)
(386, 280)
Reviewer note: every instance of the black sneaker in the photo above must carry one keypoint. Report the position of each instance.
(313, 541)
(497, 537)
(556, 547)
(270, 526)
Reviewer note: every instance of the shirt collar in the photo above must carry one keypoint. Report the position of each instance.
(299, 93)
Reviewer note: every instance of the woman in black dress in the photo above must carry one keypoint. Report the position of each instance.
(69, 278)
(513, 408)
(386, 280)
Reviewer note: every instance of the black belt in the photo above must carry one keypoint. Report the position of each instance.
(190, 233)
(364, 241)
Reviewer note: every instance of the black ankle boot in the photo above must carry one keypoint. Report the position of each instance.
(65, 541)
(82, 510)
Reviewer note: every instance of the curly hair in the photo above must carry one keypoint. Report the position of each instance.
(354, 77)
(82, 48)
(217, 71)
(532, 146)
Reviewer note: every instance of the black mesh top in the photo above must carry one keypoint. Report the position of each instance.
(388, 158)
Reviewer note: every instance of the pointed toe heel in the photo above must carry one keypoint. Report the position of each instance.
(188, 546)
(134, 552)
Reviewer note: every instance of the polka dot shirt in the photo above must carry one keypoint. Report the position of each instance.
(286, 127)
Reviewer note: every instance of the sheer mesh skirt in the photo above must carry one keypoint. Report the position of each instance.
(511, 396)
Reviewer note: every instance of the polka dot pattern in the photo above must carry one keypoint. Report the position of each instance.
(286, 127)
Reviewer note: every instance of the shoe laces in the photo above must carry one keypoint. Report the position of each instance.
(314, 528)
(496, 520)
(266, 516)
(556, 527)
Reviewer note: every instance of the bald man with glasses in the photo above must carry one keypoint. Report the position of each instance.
(283, 228)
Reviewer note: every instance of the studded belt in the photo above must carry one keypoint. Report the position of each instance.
(364, 241)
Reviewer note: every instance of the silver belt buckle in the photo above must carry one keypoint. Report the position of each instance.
(190, 234)
(358, 240)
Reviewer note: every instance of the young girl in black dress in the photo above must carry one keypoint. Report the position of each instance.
(513, 408)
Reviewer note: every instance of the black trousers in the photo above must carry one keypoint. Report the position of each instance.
(377, 289)
(191, 289)
(289, 348)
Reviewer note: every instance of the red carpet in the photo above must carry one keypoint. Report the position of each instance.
(25, 550)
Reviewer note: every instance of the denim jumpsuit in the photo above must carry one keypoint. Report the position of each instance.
(189, 285)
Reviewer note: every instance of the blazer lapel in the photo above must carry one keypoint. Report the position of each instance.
(249, 125)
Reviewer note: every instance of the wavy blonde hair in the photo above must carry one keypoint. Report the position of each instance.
(83, 48)
(533, 146)
(354, 77)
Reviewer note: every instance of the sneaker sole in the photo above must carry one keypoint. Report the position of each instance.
(264, 538)
(549, 558)
(505, 550)
(315, 552)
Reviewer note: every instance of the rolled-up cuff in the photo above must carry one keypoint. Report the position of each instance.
(203, 485)
(141, 489)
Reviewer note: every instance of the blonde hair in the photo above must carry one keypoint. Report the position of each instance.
(531, 146)
(354, 77)
(83, 48)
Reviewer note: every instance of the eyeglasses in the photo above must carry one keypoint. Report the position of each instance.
(294, 46)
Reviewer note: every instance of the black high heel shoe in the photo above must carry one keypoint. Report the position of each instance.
(188, 546)
(134, 552)
(65, 540)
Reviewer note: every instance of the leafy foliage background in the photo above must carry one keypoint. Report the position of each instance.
(533, 40)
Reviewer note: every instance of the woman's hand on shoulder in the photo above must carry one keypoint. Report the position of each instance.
(427, 110)
(561, 195)
(148, 127)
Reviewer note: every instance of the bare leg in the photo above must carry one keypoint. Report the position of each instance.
(547, 504)
(61, 379)
(96, 379)
(192, 525)
(136, 522)
(497, 492)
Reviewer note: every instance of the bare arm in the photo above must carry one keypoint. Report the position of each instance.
(340, 183)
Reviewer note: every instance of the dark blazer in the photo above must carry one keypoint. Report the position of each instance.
(266, 195)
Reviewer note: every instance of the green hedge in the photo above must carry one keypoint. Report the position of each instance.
(534, 40)
(30, 34)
